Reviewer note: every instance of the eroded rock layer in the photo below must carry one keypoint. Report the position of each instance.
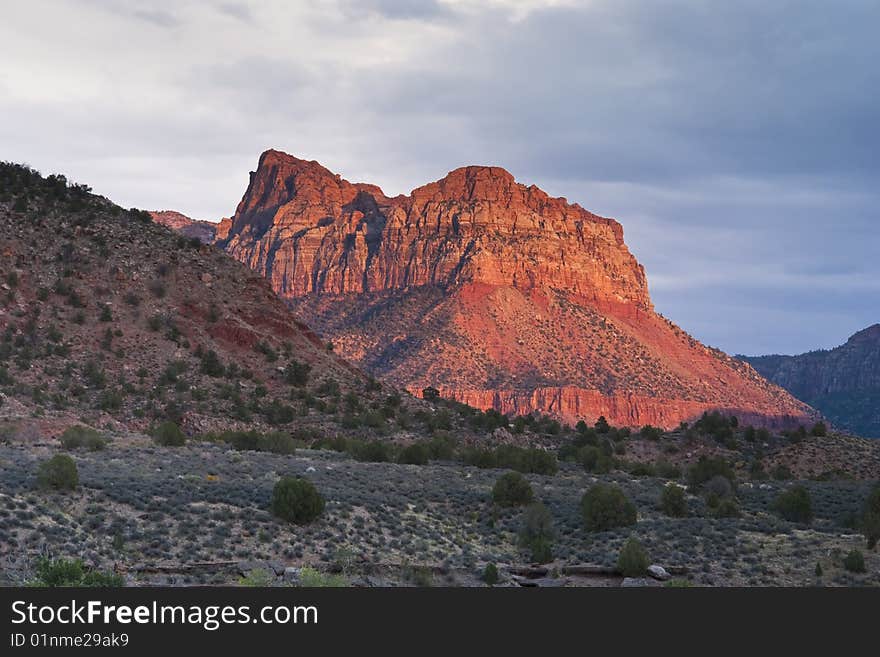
(491, 291)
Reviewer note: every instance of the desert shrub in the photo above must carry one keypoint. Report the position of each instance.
(871, 518)
(795, 505)
(651, 433)
(276, 412)
(58, 572)
(526, 460)
(512, 489)
(633, 560)
(442, 447)
(296, 500)
(430, 393)
(211, 364)
(541, 551)
(59, 472)
(708, 467)
(312, 578)
(673, 501)
(595, 460)
(480, 458)
(781, 472)
(820, 429)
(605, 506)
(415, 454)
(726, 507)
(168, 434)
(641, 469)
(537, 533)
(854, 562)
(78, 436)
(257, 578)
(667, 470)
(71, 572)
(297, 373)
(490, 574)
(371, 451)
(278, 442)
(716, 489)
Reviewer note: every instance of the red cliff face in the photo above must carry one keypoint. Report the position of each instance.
(205, 231)
(491, 291)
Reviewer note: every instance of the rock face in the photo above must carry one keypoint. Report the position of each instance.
(491, 291)
(843, 383)
(205, 231)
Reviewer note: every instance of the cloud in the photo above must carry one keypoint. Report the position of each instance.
(735, 142)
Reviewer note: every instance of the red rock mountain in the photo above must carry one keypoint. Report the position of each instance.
(205, 231)
(491, 291)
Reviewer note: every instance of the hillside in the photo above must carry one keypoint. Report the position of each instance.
(109, 318)
(492, 292)
(843, 383)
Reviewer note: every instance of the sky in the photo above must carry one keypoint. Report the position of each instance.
(737, 143)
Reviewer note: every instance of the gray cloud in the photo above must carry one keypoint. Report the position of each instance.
(736, 142)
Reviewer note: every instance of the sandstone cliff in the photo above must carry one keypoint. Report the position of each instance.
(204, 231)
(491, 291)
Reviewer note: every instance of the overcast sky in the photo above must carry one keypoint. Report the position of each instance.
(737, 142)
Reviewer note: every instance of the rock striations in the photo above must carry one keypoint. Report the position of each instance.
(491, 291)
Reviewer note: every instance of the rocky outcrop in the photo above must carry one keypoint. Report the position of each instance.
(490, 290)
(204, 231)
(843, 383)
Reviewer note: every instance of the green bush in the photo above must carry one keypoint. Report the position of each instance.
(78, 436)
(537, 533)
(727, 507)
(854, 562)
(595, 460)
(521, 459)
(667, 470)
(278, 442)
(71, 572)
(59, 472)
(442, 447)
(168, 434)
(795, 505)
(541, 551)
(372, 451)
(633, 560)
(605, 506)
(297, 374)
(311, 578)
(512, 489)
(415, 454)
(707, 468)
(490, 574)
(296, 500)
(673, 501)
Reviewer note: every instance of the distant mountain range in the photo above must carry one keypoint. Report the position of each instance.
(843, 383)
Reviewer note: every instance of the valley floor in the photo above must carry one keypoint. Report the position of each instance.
(199, 514)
